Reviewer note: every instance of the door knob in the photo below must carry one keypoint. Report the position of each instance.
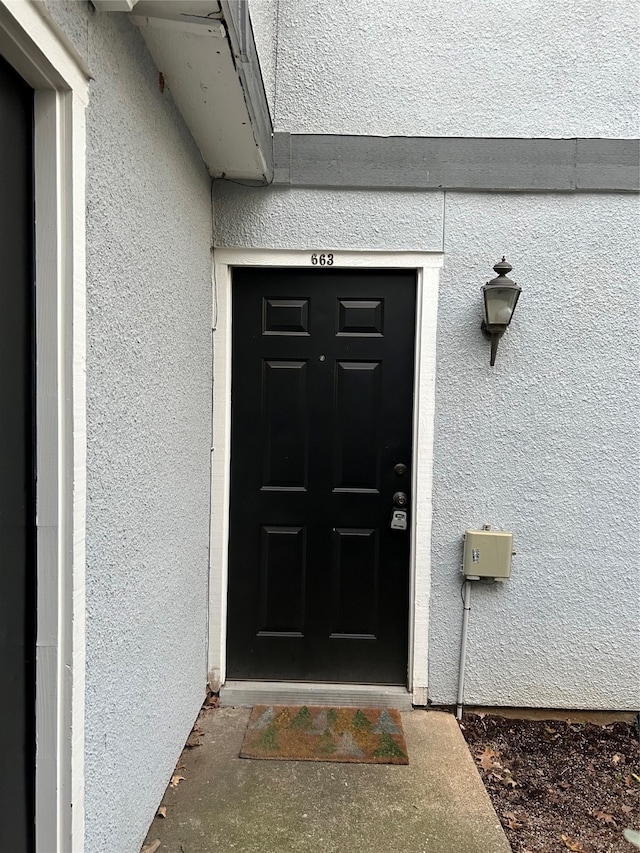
(400, 500)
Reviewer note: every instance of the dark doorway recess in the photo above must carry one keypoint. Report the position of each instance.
(322, 410)
(17, 468)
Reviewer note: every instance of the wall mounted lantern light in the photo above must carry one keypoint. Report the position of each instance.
(500, 300)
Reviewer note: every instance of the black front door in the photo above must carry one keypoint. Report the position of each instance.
(17, 511)
(322, 402)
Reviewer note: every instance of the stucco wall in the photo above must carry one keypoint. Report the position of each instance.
(543, 444)
(149, 422)
(264, 21)
(492, 68)
(290, 218)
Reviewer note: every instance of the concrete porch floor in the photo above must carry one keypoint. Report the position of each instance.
(436, 804)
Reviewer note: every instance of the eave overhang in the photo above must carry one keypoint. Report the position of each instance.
(206, 53)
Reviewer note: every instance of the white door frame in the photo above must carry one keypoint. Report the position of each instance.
(42, 55)
(427, 268)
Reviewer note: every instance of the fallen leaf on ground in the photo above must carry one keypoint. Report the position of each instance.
(486, 758)
(603, 817)
(151, 848)
(175, 780)
(564, 785)
(618, 758)
(626, 809)
(194, 737)
(503, 775)
(511, 820)
(632, 780)
(162, 811)
(573, 844)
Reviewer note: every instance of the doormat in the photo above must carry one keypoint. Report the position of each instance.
(356, 735)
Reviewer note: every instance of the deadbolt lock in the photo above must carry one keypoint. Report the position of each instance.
(400, 469)
(400, 499)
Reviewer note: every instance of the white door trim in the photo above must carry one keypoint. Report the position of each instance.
(35, 47)
(427, 267)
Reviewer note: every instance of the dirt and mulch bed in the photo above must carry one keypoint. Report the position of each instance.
(559, 786)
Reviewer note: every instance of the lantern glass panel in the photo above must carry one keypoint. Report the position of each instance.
(500, 303)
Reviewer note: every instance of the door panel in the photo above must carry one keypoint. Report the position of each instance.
(283, 569)
(284, 424)
(358, 409)
(322, 402)
(17, 511)
(355, 583)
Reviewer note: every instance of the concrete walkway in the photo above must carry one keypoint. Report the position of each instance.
(437, 804)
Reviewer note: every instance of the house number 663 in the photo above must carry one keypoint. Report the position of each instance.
(325, 260)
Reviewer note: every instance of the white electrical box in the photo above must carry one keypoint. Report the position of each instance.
(487, 554)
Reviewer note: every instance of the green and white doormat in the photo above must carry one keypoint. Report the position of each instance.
(309, 733)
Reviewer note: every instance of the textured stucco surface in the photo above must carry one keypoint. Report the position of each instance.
(500, 68)
(264, 21)
(149, 427)
(73, 18)
(297, 218)
(544, 444)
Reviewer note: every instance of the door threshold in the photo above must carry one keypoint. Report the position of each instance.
(245, 694)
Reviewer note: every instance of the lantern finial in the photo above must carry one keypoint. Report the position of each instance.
(503, 267)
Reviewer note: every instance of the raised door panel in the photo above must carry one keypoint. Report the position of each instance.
(355, 583)
(285, 432)
(357, 414)
(282, 581)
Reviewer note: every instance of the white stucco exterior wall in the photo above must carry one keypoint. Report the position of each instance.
(149, 428)
(539, 68)
(294, 218)
(264, 21)
(543, 444)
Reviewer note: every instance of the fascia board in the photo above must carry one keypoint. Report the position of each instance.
(243, 44)
(221, 98)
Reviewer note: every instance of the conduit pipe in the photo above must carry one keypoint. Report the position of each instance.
(463, 648)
